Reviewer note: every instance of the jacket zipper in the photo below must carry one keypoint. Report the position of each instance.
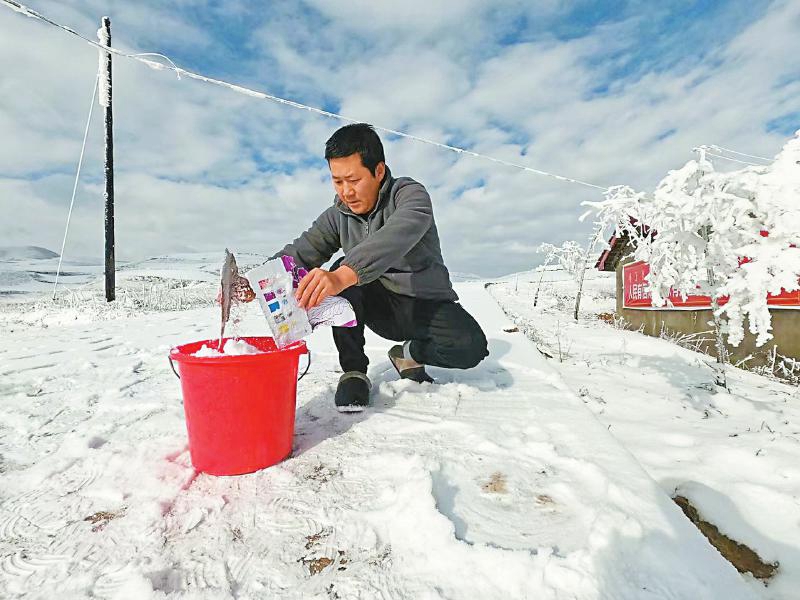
(364, 222)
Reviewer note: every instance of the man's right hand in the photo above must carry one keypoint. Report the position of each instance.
(242, 292)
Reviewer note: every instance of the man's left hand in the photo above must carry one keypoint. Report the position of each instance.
(319, 284)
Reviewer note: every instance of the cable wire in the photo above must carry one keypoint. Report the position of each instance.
(75, 186)
(721, 149)
(736, 160)
(22, 9)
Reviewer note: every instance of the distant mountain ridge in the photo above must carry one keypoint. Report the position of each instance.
(25, 253)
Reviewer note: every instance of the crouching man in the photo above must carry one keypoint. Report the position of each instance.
(392, 271)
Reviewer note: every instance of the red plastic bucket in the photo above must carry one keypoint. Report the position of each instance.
(239, 409)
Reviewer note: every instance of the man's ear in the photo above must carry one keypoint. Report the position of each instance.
(380, 170)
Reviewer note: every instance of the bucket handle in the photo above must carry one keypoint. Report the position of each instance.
(172, 365)
(308, 365)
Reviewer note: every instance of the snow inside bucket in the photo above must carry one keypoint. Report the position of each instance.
(239, 404)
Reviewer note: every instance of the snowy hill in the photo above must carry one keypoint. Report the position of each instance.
(158, 278)
(456, 276)
(25, 253)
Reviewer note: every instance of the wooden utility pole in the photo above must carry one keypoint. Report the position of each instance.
(105, 99)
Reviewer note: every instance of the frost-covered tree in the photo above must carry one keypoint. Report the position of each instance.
(732, 235)
(572, 258)
(586, 256)
(568, 256)
(549, 251)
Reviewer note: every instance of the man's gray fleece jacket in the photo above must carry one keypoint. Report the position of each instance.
(397, 242)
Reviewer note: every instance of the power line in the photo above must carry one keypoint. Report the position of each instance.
(721, 149)
(704, 151)
(22, 9)
(736, 160)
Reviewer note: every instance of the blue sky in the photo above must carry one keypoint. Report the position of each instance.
(608, 92)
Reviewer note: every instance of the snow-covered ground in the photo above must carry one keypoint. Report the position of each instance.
(498, 482)
(29, 272)
(733, 453)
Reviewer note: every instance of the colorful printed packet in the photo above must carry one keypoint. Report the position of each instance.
(275, 283)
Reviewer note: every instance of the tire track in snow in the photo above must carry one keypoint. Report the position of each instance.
(28, 356)
(15, 526)
(21, 370)
(22, 565)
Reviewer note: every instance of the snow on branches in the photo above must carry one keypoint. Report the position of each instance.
(568, 256)
(732, 235)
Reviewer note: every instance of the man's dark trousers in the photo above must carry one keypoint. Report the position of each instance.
(442, 333)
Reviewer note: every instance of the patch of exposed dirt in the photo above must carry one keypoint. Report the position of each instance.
(315, 538)
(607, 317)
(236, 533)
(497, 484)
(315, 563)
(322, 474)
(102, 518)
(342, 560)
(740, 556)
(383, 559)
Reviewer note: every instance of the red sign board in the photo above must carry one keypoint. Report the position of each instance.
(636, 293)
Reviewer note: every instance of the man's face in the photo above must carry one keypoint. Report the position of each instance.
(355, 185)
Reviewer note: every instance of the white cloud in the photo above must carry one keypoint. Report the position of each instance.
(201, 167)
(415, 17)
(431, 81)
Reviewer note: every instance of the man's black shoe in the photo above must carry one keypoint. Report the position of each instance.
(408, 368)
(352, 393)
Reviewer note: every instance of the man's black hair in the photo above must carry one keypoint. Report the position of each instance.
(358, 137)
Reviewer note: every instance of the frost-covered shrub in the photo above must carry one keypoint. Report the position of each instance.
(569, 255)
(734, 234)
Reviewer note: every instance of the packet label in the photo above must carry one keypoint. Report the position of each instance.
(274, 288)
(275, 283)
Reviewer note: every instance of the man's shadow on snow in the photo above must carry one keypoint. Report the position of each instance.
(317, 419)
